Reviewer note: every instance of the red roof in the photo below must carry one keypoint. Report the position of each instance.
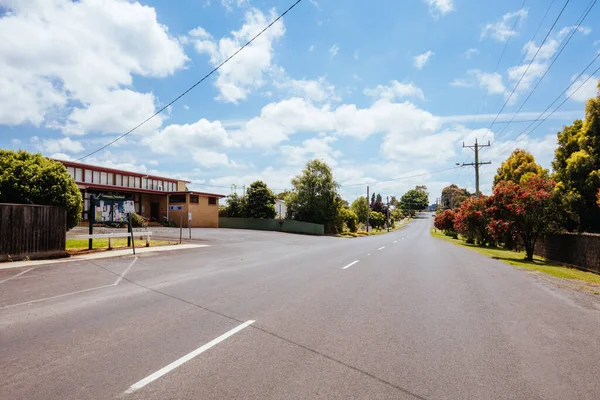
(117, 171)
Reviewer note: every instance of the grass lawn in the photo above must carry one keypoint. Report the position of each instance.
(518, 259)
(78, 244)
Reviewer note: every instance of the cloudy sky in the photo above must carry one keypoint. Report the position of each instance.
(379, 89)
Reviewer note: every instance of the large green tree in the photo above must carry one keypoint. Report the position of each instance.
(577, 168)
(260, 201)
(360, 207)
(27, 178)
(315, 198)
(519, 167)
(236, 207)
(414, 200)
(453, 196)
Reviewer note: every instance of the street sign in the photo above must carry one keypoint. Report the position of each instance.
(189, 216)
(128, 207)
(175, 208)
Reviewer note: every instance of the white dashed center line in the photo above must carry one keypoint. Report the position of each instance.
(351, 264)
(381, 248)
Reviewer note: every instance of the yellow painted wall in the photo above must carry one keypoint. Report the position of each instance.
(180, 186)
(204, 215)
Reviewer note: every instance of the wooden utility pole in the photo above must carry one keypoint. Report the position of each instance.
(476, 164)
(387, 199)
(368, 209)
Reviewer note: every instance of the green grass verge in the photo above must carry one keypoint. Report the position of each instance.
(78, 244)
(518, 259)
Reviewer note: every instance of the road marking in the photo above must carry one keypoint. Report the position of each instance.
(72, 293)
(163, 371)
(56, 297)
(351, 264)
(381, 248)
(395, 241)
(120, 278)
(368, 254)
(17, 275)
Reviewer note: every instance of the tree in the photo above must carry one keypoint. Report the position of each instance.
(414, 200)
(378, 205)
(577, 168)
(314, 197)
(350, 219)
(376, 219)
(260, 201)
(282, 195)
(519, 167)
(445, 223)
(471, 220)
(397, 215)
(27, 178)
(360, 206)
(526, 210)
(453, 196)
(236, 206)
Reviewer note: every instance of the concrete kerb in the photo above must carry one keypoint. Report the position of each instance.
(99, 255)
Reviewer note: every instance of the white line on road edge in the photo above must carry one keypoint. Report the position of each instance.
(351, 264)
(163, 371)
(72, 293)
(56, 297)
(120, 278)
(17, 275)
(381, 248)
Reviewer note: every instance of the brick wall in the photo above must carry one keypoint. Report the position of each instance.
(579, 250)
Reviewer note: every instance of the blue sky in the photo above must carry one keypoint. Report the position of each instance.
(380, 90)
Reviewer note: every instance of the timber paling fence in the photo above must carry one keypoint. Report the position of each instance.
(32, 231)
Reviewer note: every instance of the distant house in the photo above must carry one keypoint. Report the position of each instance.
(152, 195)
(280, 209)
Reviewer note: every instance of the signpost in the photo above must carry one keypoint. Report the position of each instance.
(129, 209)
(190, 224)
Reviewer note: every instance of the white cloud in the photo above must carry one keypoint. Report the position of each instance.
(210, 158)
(465, 118)
(596, 43)
(356, 54)
(74, 53)
(472, 51)
(311, 48)
(535, 71)
(186, 107)
(318, 91)
(552, 44)
(175, 138)
(316, 147)
(501, 30)
(228, 4)
(57, 145)
(587, 91)
(491, 82)
(61, 156)
(440, 7)
(15, 142)
(421, 59)
(334, 50)
(115, 111)
(243, 73)
(314, 3)
(395, 90)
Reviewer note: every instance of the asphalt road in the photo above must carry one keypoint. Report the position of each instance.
(264, 315)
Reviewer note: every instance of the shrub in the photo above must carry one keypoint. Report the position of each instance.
(350, 219)
(27, 178)
(376, 219)
(137, 221)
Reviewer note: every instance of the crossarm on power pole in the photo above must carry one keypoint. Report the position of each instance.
(476, 164)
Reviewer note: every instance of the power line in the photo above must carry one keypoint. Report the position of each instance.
(194, 85)
(530, 62)
(522, 134)
(563, 46)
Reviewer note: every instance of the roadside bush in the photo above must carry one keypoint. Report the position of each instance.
(376, 219)
(27, 178)
(445, 223)
(137, 221)
(350, 219)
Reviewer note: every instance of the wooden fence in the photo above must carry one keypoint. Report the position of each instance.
(32, 231)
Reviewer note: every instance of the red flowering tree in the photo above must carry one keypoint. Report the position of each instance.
(472, 220)
(526, 211)
(445, 222)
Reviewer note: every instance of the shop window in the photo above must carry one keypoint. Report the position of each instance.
(103, 178)
(88, 175)
(96, 176)
(212, 200)
(177, 198)
(194, 199)
(111, 178)
(78, 175)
